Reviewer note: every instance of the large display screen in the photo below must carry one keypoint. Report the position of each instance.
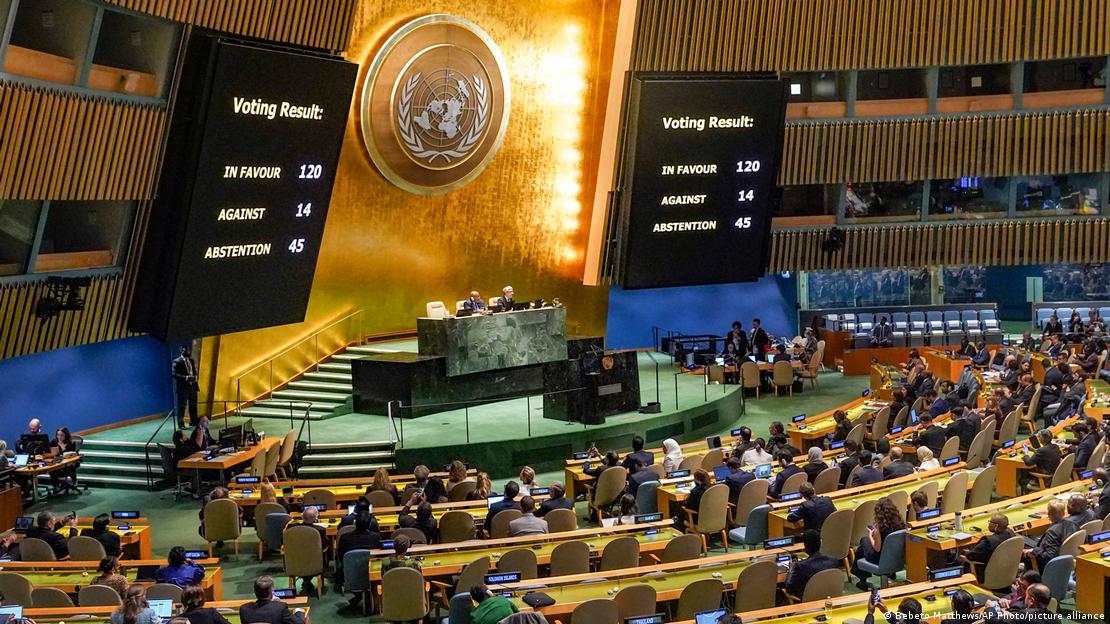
(700, 179)
(259, 150)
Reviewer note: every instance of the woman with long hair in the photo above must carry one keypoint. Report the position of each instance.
(628, 509)
(384, 483)
(110, 576)
(888, 519)
(192, 599)
(456, 474)
(527, 480)
(483, 488)
(64, 478)
(135, 609)
(843, 425)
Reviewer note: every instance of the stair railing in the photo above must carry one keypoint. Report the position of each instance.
(259, 381)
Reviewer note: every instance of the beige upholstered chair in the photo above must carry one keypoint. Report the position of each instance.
(34, 549)
(782, 376)
(285, 458)
(596, 611)
(825, 584)
(950, 449)
(570, 558)
(836, 535)
(15, 588)
(793, 483)
(320, 497)
(982, 489)
(499, 526)
(164, 591)
(462, 490)
(559, 520)
(521, 560)
(712, 459)
(682, 548)
(749, 377)
(1002, 567)
(623, 552)
(261, 510)
(403, 596)
(635, 600)
(435, 309)
(691, 462)
(456, 526)
(610, 484)
(49, 598)
(98, 596)
(273, 457)
(85, 548)
(701, 595)
(258, 465)
(954, 497)
(752, 495)
(380, 498)
(828, 480)
(304, 556)
(760, 583)
(712, 516)
(221, 523)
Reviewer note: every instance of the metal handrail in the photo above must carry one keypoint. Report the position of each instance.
(314, 336)
(304, 407)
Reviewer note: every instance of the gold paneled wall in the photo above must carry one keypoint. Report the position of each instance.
(801, 35)
(522, 222)
(1012, 144)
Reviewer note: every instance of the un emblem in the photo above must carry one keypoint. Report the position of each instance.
(435, 104)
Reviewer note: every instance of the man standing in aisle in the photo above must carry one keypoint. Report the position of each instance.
(760, 341)
(185, 387)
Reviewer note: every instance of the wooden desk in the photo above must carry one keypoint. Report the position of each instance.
(58, 615)
(778, 526)
(400, 481)
(11, 505)
(924, 546)
(669, 579)
(223, 463)
(1009, 465)
(71, 581)
(932, 596)
(1092, 581)
(813, 430)
(945, 366)
(1098, 399)
(443, 562)
(38, 467)
(885, 378)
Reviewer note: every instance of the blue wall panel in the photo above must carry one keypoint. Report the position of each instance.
(84, 387)
(701, 310)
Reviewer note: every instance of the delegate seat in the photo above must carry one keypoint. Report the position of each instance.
(936, 328)
(918, 329)
(1042, 316)
(953, 326)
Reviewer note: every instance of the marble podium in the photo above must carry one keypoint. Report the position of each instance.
(474, 344)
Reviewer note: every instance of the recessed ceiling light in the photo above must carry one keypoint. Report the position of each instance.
(795, 88)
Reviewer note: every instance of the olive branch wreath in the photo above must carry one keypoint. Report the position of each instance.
(411, 138)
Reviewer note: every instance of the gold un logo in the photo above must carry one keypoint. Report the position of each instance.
(435, 104)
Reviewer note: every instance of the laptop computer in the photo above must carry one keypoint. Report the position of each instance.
(493, 500)
(19, 461)
(24, 523)
(762, 471)
(162, 608)
(720, 472)
(709, 617)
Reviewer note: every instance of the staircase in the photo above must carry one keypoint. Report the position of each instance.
(346, 459)
(328, 389)
(117, 464)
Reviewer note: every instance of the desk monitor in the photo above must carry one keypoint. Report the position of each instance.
(544, 491)
(658, 618)
(928, 513)
(713, 442)
(836, 445)
(502, 578)
(387, 544)
(196, 554)
(951, 461)
(285, 593)
(231, 437)
(778, 542)
(19, 461)
(1098, 538)
(678, 474)
(287, 490)
(945, 573)
(248, 426)
(735, 433)
(125, 515)
(241, 480)
(162, 608)
(799, 418)
(651, 517)
(789, 496)
(762, 471)
(34, 443)
(583, 455)
(24, 523)
(493, 500)
(720, 472)
(709, 617)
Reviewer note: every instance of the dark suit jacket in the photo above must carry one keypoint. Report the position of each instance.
(497, 507)
(866, 476)
(56, 542)
(982, 551)
(108, 539)
(1049, 544)
(813, 469)
(269, 612)
(645, 457)
(813, 512)
(181, 372)
(693, 499)
(847, 466)
(639, 478)
(204, 615)
(780, 479)
(736, 482)
(933, 437)
(964, 429)
(740, 339)
(1053, 386)
(552, 504)
(804, 570)
(782, 357)
(472, 305)
(897, 469)
(982, 358)
(761, 342)
(1103, 503)
(1084, 450)
(1025, 395)
(1045, 459)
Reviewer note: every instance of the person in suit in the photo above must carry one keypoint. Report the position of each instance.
(786, 460)
(1085, 447)
(1048, 546)
(192, 601)
(1025, 390)
(179, 569)
(780, 354)
(982, 357)
(815, 463)
(1053, 327)
(898, 466)
(646, 458)
(849, 463)
(962, 427)
(266, 609)
(759, 340)
(184, 371)
(527, 523)
(938, 402)
(638, 477)
(701, 484)
(813, 510)
(510, 492)
(870, 472)
(556, 500)
(507, 300)
(882, 335)
(804, 569)
(744, 443)
(980, 553)
(736, 478)
(778, 442)
(1079, 511)
(474, 302)
(738, 338)
(44, 530)
(422, 520)
(1102, 477)
(930, 435)
(99, 532)
(365, 536)
(1046, 458)
(40, 446)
